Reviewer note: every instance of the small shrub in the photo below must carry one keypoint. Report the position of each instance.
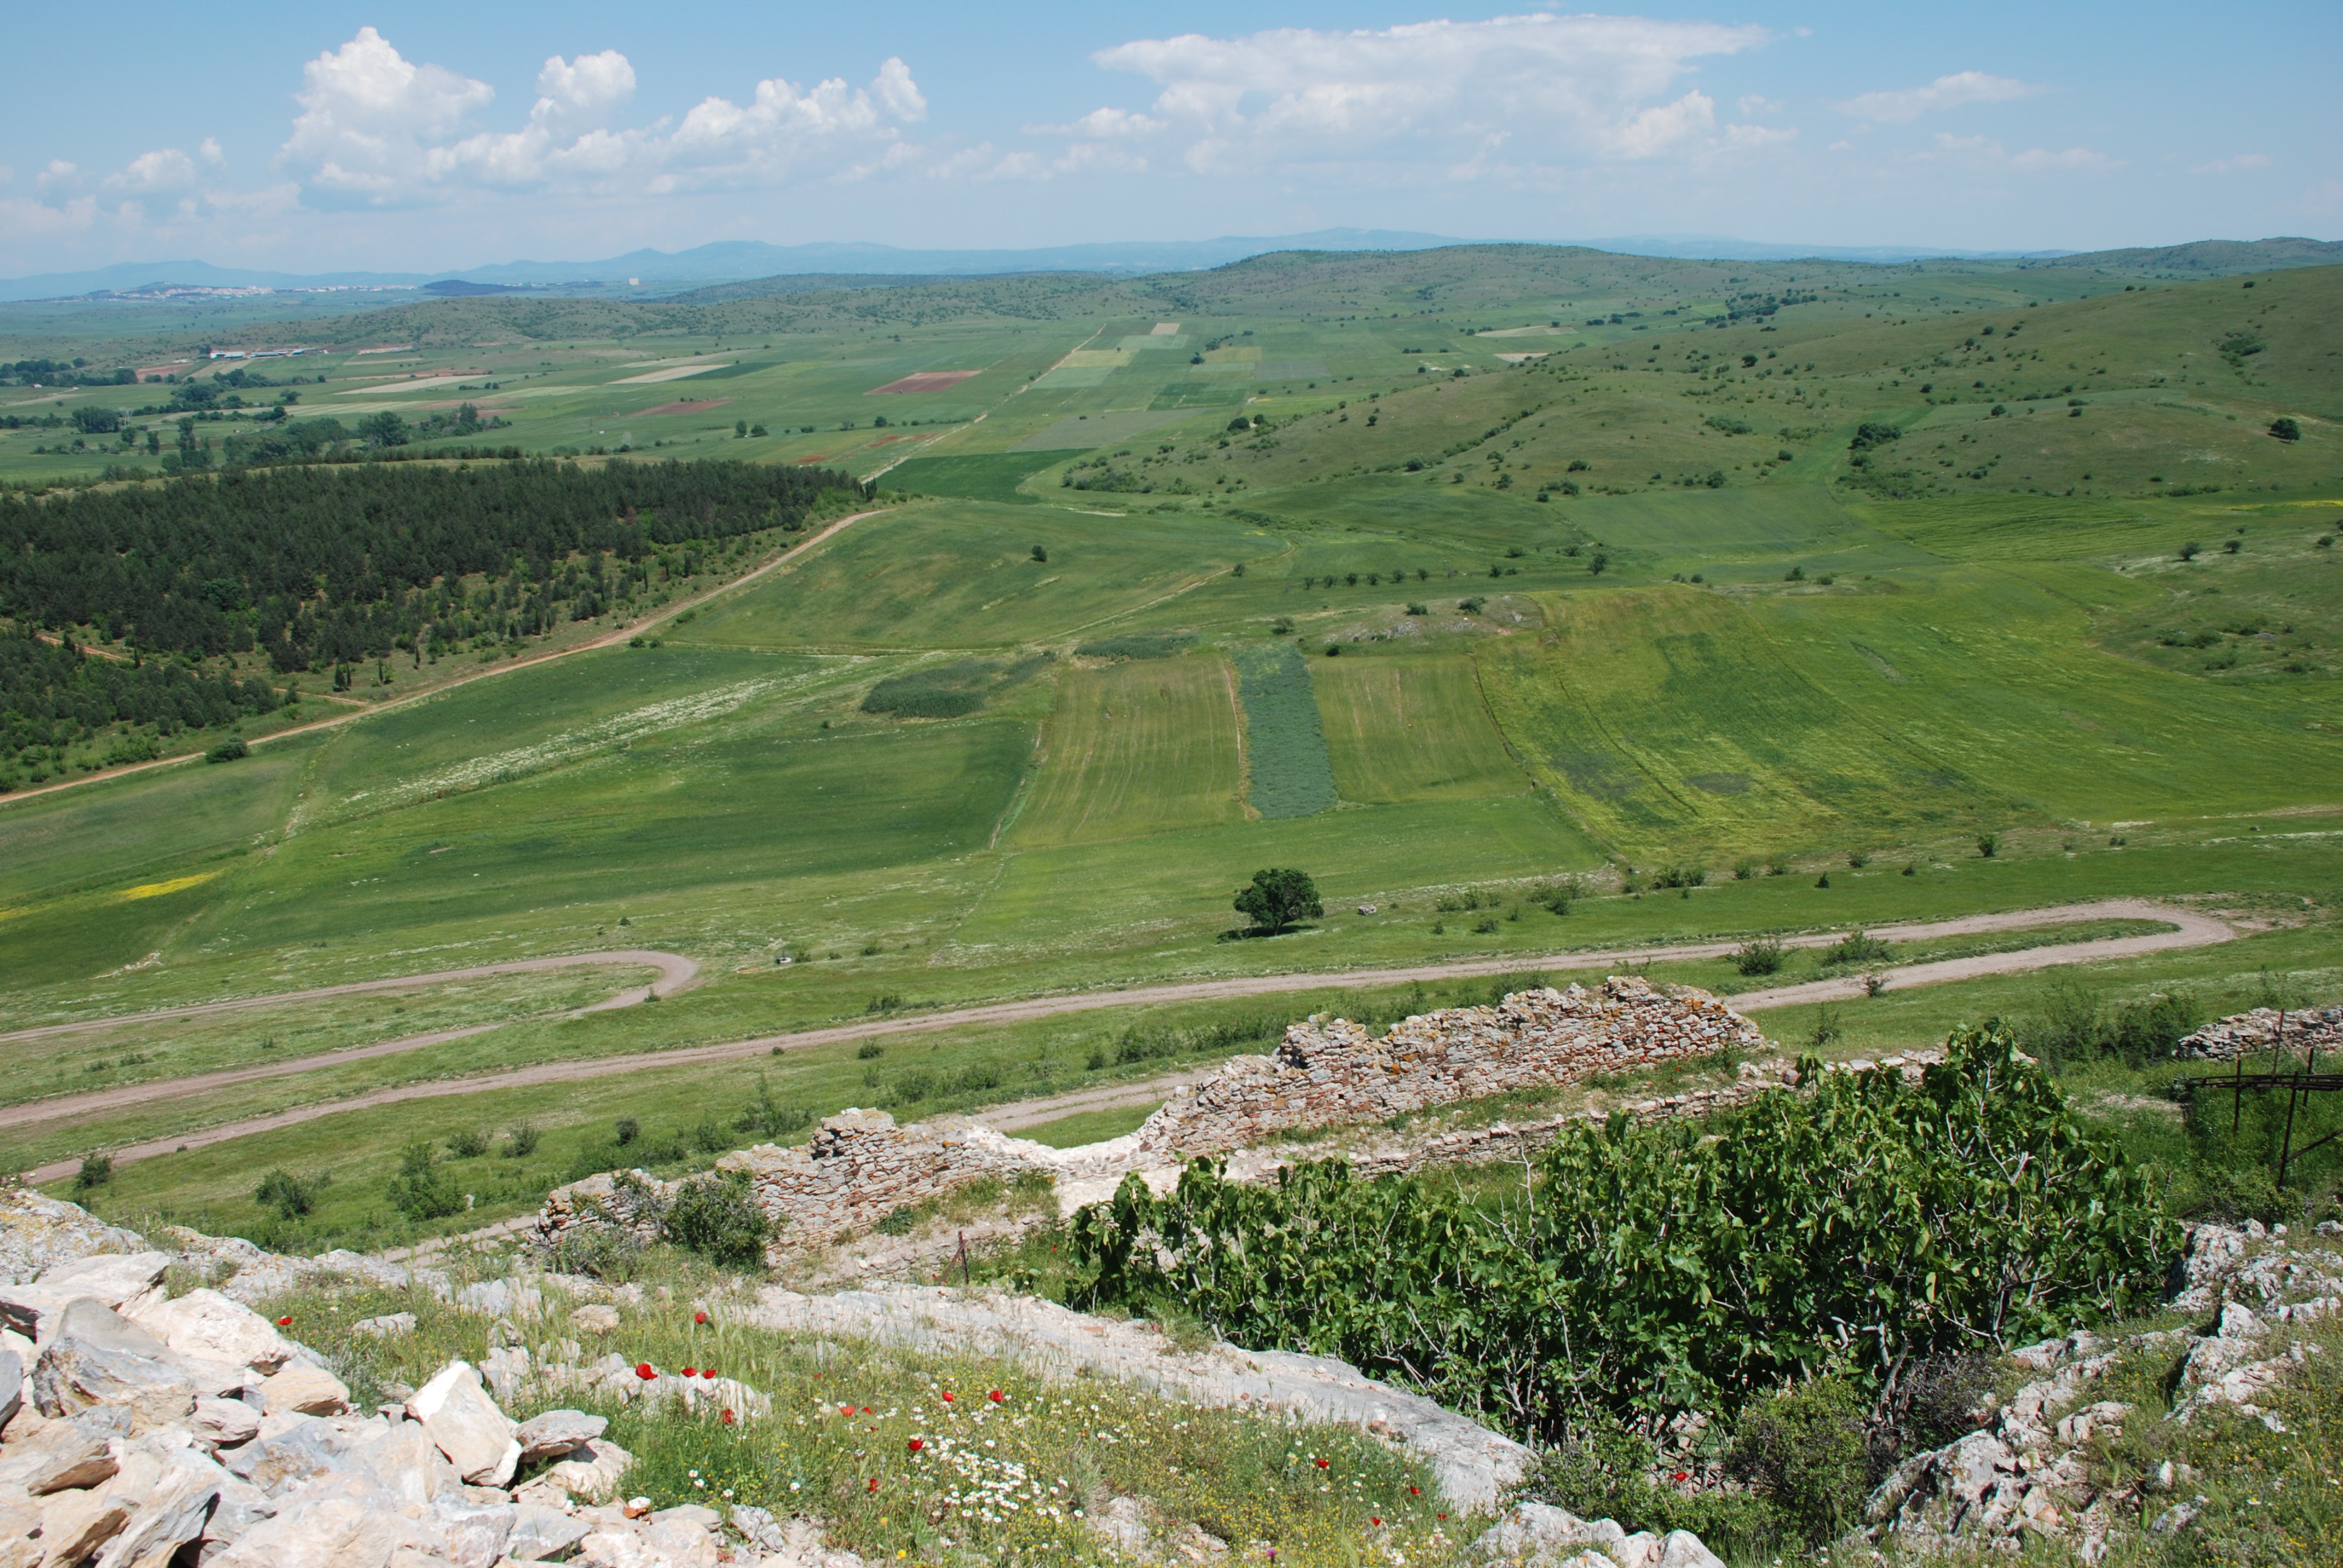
(1680, 877)
(1822, 881)
(870, 1050)
(97, 1170)
(1744, 870)
(1855, 948)
(521, 1140)
(469, 1143)
(291, 1196)
(1485, 925)
(2287, 429)
(709, 1137)
(771, 1120)
(1858, 860)
(1803, 1451)
(625, 1131)
(898, 1222)
(716, 1216)
(1826, 1030)
(421, 1191)
(1989, 845)
(1763, 957)
(1095, 1062)
(228, 751)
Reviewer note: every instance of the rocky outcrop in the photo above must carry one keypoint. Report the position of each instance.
(2246, 1034)
(2026, 1472)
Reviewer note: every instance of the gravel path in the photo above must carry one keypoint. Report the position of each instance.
(676, 974)
(2192, 930)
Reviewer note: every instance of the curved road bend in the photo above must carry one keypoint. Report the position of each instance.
(2191, 930)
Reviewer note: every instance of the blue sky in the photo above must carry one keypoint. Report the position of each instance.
(440, 136)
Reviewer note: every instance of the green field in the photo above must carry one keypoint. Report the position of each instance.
(1401, 728)
(1135, 749)
(1641, 602)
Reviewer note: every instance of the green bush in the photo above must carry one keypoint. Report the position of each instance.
(422, 1189)
(521, 1140)
(1763, 957)
(1855, 948)
(1803, 1451)
(291, 1196)
(625, 1131)
(97, 1170)
(228, 751)
(469, 1143)
(716, 1216)
(1676, 1266)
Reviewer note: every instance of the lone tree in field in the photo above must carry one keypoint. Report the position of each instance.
(1278, 898)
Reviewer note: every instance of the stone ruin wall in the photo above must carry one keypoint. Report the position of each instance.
(861, 1167)
(2246, 1034)
(1330, 1073)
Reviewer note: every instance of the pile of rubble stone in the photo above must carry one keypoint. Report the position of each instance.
(861, 1167)
(1328, 1073)
(2257, 1032)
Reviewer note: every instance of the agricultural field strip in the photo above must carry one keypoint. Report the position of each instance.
(788, 558)
(2193, 929)
(619, 729)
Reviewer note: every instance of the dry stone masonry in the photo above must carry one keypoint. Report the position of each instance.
(1327, 1073)
(860, 1166)
(2251, 1033)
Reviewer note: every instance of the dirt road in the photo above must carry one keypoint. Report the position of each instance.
(2192, 930)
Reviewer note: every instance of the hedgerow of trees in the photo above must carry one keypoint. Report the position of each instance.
(332, 565)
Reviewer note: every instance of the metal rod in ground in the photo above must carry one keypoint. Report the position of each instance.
(2285, 1146)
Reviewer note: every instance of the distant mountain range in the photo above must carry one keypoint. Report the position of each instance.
(643, 273)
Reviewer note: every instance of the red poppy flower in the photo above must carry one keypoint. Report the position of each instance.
(1444, 1517)
(846, 1410)
(644, 1372)
(1415, 1491)
(1683, 1475)
(996, 1397)
(692, 1372)
(729, 1418)
(1325, 1464)
(285, 1323)
(874, 1484)
(700, 1317)
(948, 1398)
(915, 1445)
(709, 1372)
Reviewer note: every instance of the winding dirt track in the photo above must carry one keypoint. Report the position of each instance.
(676, 974)
(2192, 930)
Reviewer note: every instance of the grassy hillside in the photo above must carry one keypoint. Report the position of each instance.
(1435, 575)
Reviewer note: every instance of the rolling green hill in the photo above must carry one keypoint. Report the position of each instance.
(1444, 576)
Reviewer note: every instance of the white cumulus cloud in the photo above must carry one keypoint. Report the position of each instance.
(2243, 161)
(1425, 99)
(1903, 105)
(148, 173)
(378, 127)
